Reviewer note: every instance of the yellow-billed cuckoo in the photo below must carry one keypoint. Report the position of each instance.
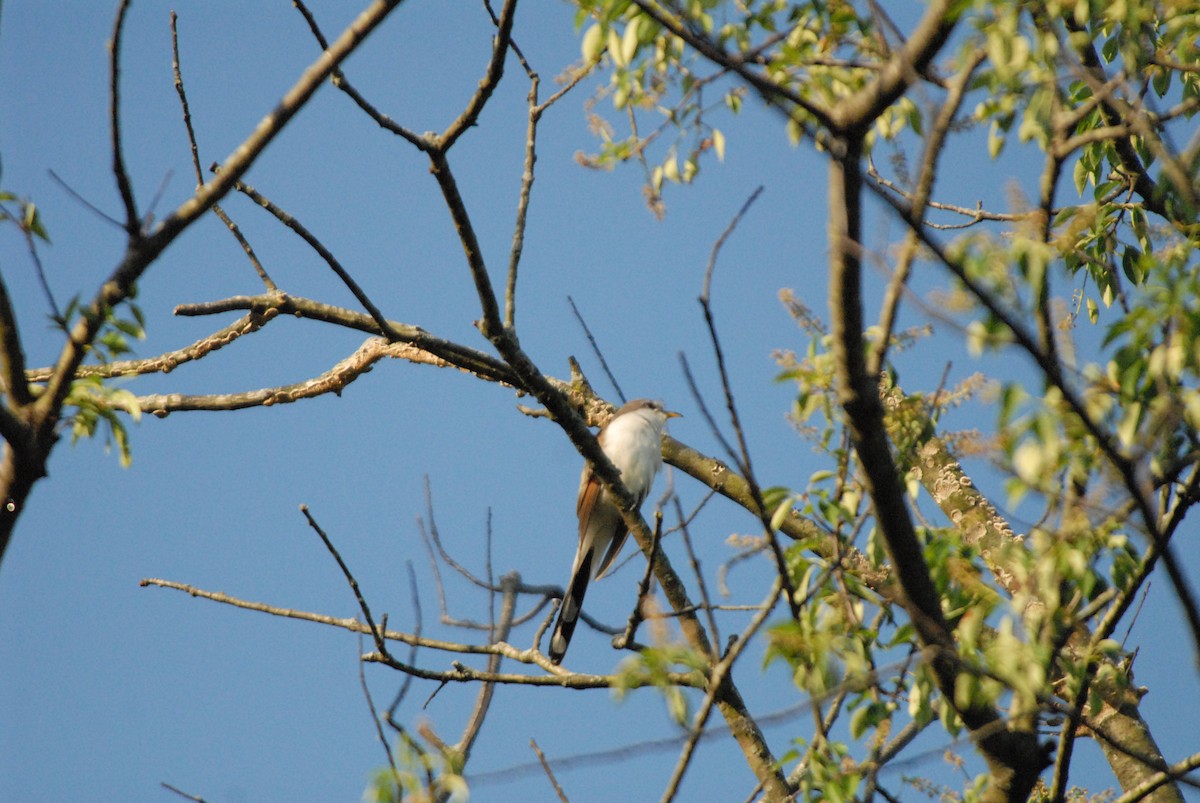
(632, 439)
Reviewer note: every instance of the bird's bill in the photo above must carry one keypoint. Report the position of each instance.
(672, 414)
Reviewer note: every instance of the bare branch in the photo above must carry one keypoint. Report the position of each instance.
(169, 361)
(362, 682)
(390, 716)
(181, 793)
(437, 351)
(626, 639)
(695, 563)
(510, 584)
(334, 381)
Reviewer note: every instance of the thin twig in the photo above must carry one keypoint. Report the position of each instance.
(296, 226)
(97, 211)
(168, 361)
(402, 692)
(487, 85)
(183, 101)
(376, 633)
(40, 270)
(700, 584)
(362, 682)
(483, 702)
(742, 455)
(626, 639)
(181, 793)
(133, 225)
(191, 135)
(339, 80)
(527, 176)
(556, 676)
(628, 751)
(716, 249)
(596, 350)
(549, 772)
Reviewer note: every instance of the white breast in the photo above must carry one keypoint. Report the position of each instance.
(633, 442)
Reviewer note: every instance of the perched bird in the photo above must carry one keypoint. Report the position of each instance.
(632, 439)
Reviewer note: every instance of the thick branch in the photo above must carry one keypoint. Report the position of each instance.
(468, 359)
(335, 380)
(1013, 756)
(857, 114)
(12, 355)
(169, 361)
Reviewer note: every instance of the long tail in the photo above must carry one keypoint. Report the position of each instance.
(568, 612)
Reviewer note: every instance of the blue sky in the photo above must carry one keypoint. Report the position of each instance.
(110, 688)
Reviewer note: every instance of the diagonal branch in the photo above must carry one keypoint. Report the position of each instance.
(495, 71)
(339, 80)
(325, 254)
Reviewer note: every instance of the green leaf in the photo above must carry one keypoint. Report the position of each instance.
(593, 43)
(718, 140)
(995, 142)
(866, 717)
(629, 41)
(33, 222)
